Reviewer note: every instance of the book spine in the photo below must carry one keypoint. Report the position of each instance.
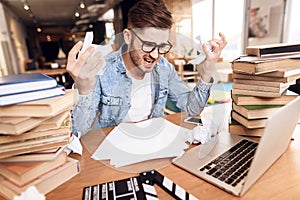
(44, 183)
(68, 171)
(275, 50)
(274, 89)
(256, 93)
(31, 96)
(258, 77)
(6, 191)
(251, 124)
(253, 51)
(241, 130)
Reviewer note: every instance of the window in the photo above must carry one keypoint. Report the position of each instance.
(227, 16)
(293, 33)
(109, 31)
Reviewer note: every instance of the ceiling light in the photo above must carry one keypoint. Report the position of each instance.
(38, 29)
(26, 6)
(77, 14)
(82, 5)
(48, 37)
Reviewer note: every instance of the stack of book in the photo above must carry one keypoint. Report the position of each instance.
(260, 85)
(34, 130)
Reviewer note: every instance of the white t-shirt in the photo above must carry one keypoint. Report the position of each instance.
(141, 100)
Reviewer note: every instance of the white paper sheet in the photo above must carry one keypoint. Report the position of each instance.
(131, 143)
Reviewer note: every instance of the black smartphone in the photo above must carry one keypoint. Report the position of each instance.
(193, 120)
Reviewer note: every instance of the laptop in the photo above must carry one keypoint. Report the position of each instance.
(235, 163)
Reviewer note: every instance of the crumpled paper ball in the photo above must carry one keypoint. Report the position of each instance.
(203, 134)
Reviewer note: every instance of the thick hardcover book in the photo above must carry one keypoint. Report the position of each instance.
(34, 135)
(40, 108)
(265, 77)
(264, 83)
(254, 65)
(49, 139)
(11, 99)
(38, 156)
(21, 173)
(238, 129)
(255, 111)
(249, 123)
(62, 119)
(293, 72)
(279, 89)
(273, 49)
(19, 125)
(240, 99)
(45, 183)
(258, 93)
(24, 83)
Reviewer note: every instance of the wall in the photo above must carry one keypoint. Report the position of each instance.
(270, 14)
(13, 43)
(18, 37)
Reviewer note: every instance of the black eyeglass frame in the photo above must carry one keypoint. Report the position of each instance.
(153, 43)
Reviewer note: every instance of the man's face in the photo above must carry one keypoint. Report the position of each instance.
(145, 40)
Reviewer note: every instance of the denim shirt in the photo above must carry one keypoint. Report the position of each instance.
(109, 102)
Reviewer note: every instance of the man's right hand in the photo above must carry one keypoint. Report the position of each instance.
(84, 70)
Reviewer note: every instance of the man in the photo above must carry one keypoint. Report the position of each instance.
(136, 80)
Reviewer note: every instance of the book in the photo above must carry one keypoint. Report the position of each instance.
(293, 72)
(254, 65)
(31, 95)
(13, 84)
(45, 183)
(264, 83)
(249, 123)
(19, 125)
(273, 49)
(240, 99)
(5, 139)
(258, 93)
(50, 139)
(255, 111)
(39, 108)
(21, 173)
(38, 156)
(279, 89)
(268, 77)
(62, 119)
(238, 129)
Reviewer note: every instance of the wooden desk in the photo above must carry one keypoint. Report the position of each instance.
(281, 181)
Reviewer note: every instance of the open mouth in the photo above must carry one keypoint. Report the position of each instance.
(149, 60)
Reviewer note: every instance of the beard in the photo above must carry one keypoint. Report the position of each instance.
(143, 62)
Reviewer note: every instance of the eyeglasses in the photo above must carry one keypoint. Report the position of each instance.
(148, 47)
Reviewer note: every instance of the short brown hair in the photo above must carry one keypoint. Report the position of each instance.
(150, 13)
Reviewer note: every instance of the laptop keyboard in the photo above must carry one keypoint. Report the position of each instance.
(233, 165)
